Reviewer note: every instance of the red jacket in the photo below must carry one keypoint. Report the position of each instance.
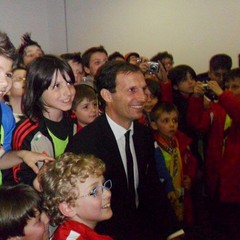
(222, 173)
(78, 231)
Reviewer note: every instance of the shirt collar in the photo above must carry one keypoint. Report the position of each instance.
(118, 130)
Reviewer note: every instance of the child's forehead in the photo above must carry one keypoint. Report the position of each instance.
(234, 80)
(170, 113)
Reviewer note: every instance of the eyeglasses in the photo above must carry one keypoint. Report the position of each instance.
(7, 75)
(98, 190)
(18, 79)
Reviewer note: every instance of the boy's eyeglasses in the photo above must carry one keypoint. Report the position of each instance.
(98, 190)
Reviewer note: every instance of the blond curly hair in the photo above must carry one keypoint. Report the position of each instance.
(58, 181)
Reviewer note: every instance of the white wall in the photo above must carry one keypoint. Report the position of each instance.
(20, 16)
(191, 30)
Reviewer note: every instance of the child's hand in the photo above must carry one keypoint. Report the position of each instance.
(162, 73)
(198, 89)
(31, 158)
(214, 86)
(187, 182)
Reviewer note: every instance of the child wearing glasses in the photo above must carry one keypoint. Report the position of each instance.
(76, 196)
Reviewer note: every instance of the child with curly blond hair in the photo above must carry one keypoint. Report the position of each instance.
(76, 196)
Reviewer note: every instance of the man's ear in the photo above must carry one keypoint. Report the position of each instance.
(87, 70)
(154, 125)
(106, 95)
(66, 209)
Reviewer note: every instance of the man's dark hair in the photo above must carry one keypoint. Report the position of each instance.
(7, 49)
(107, 74)
(89, 52)
(220, 61)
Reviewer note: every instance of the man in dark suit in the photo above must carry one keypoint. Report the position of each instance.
(146, 213)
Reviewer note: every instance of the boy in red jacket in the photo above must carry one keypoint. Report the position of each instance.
(221, 120)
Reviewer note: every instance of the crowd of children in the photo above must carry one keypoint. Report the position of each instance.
(46, 99)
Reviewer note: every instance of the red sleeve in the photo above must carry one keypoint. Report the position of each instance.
(166, 89)
(197, 117)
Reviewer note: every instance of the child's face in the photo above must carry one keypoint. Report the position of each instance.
(87, 111)
(78, 72)
(18, 82)
(168, 64)
(234, 86)
(96, 61)
(186, 86)
(31, 53)
(37, 228)
(167, 124)
(89, 209)
(59, 96)
(5, 75)
(218, 75)
(150, 102)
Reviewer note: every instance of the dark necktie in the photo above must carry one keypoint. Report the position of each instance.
(130, 172)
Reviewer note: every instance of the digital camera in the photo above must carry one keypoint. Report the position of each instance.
(153, 67)
(208, 92)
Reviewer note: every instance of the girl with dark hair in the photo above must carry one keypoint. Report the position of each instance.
(49, 93)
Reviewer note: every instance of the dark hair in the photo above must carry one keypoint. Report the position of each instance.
(232, 74)
(26, 42)
(89, 52)
(75, 57)
(161, 55)
(115, 55)
(39, 77)
(220, 61)
(7, 49)
(107, 74)
(178, 74)
(154, 88)
(17, 205)
(128, 55)
(83, 91)
(161, 108)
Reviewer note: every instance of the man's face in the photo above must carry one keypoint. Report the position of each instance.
(217, 75)
(96, 61)
(5, 75)
(126, 104)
